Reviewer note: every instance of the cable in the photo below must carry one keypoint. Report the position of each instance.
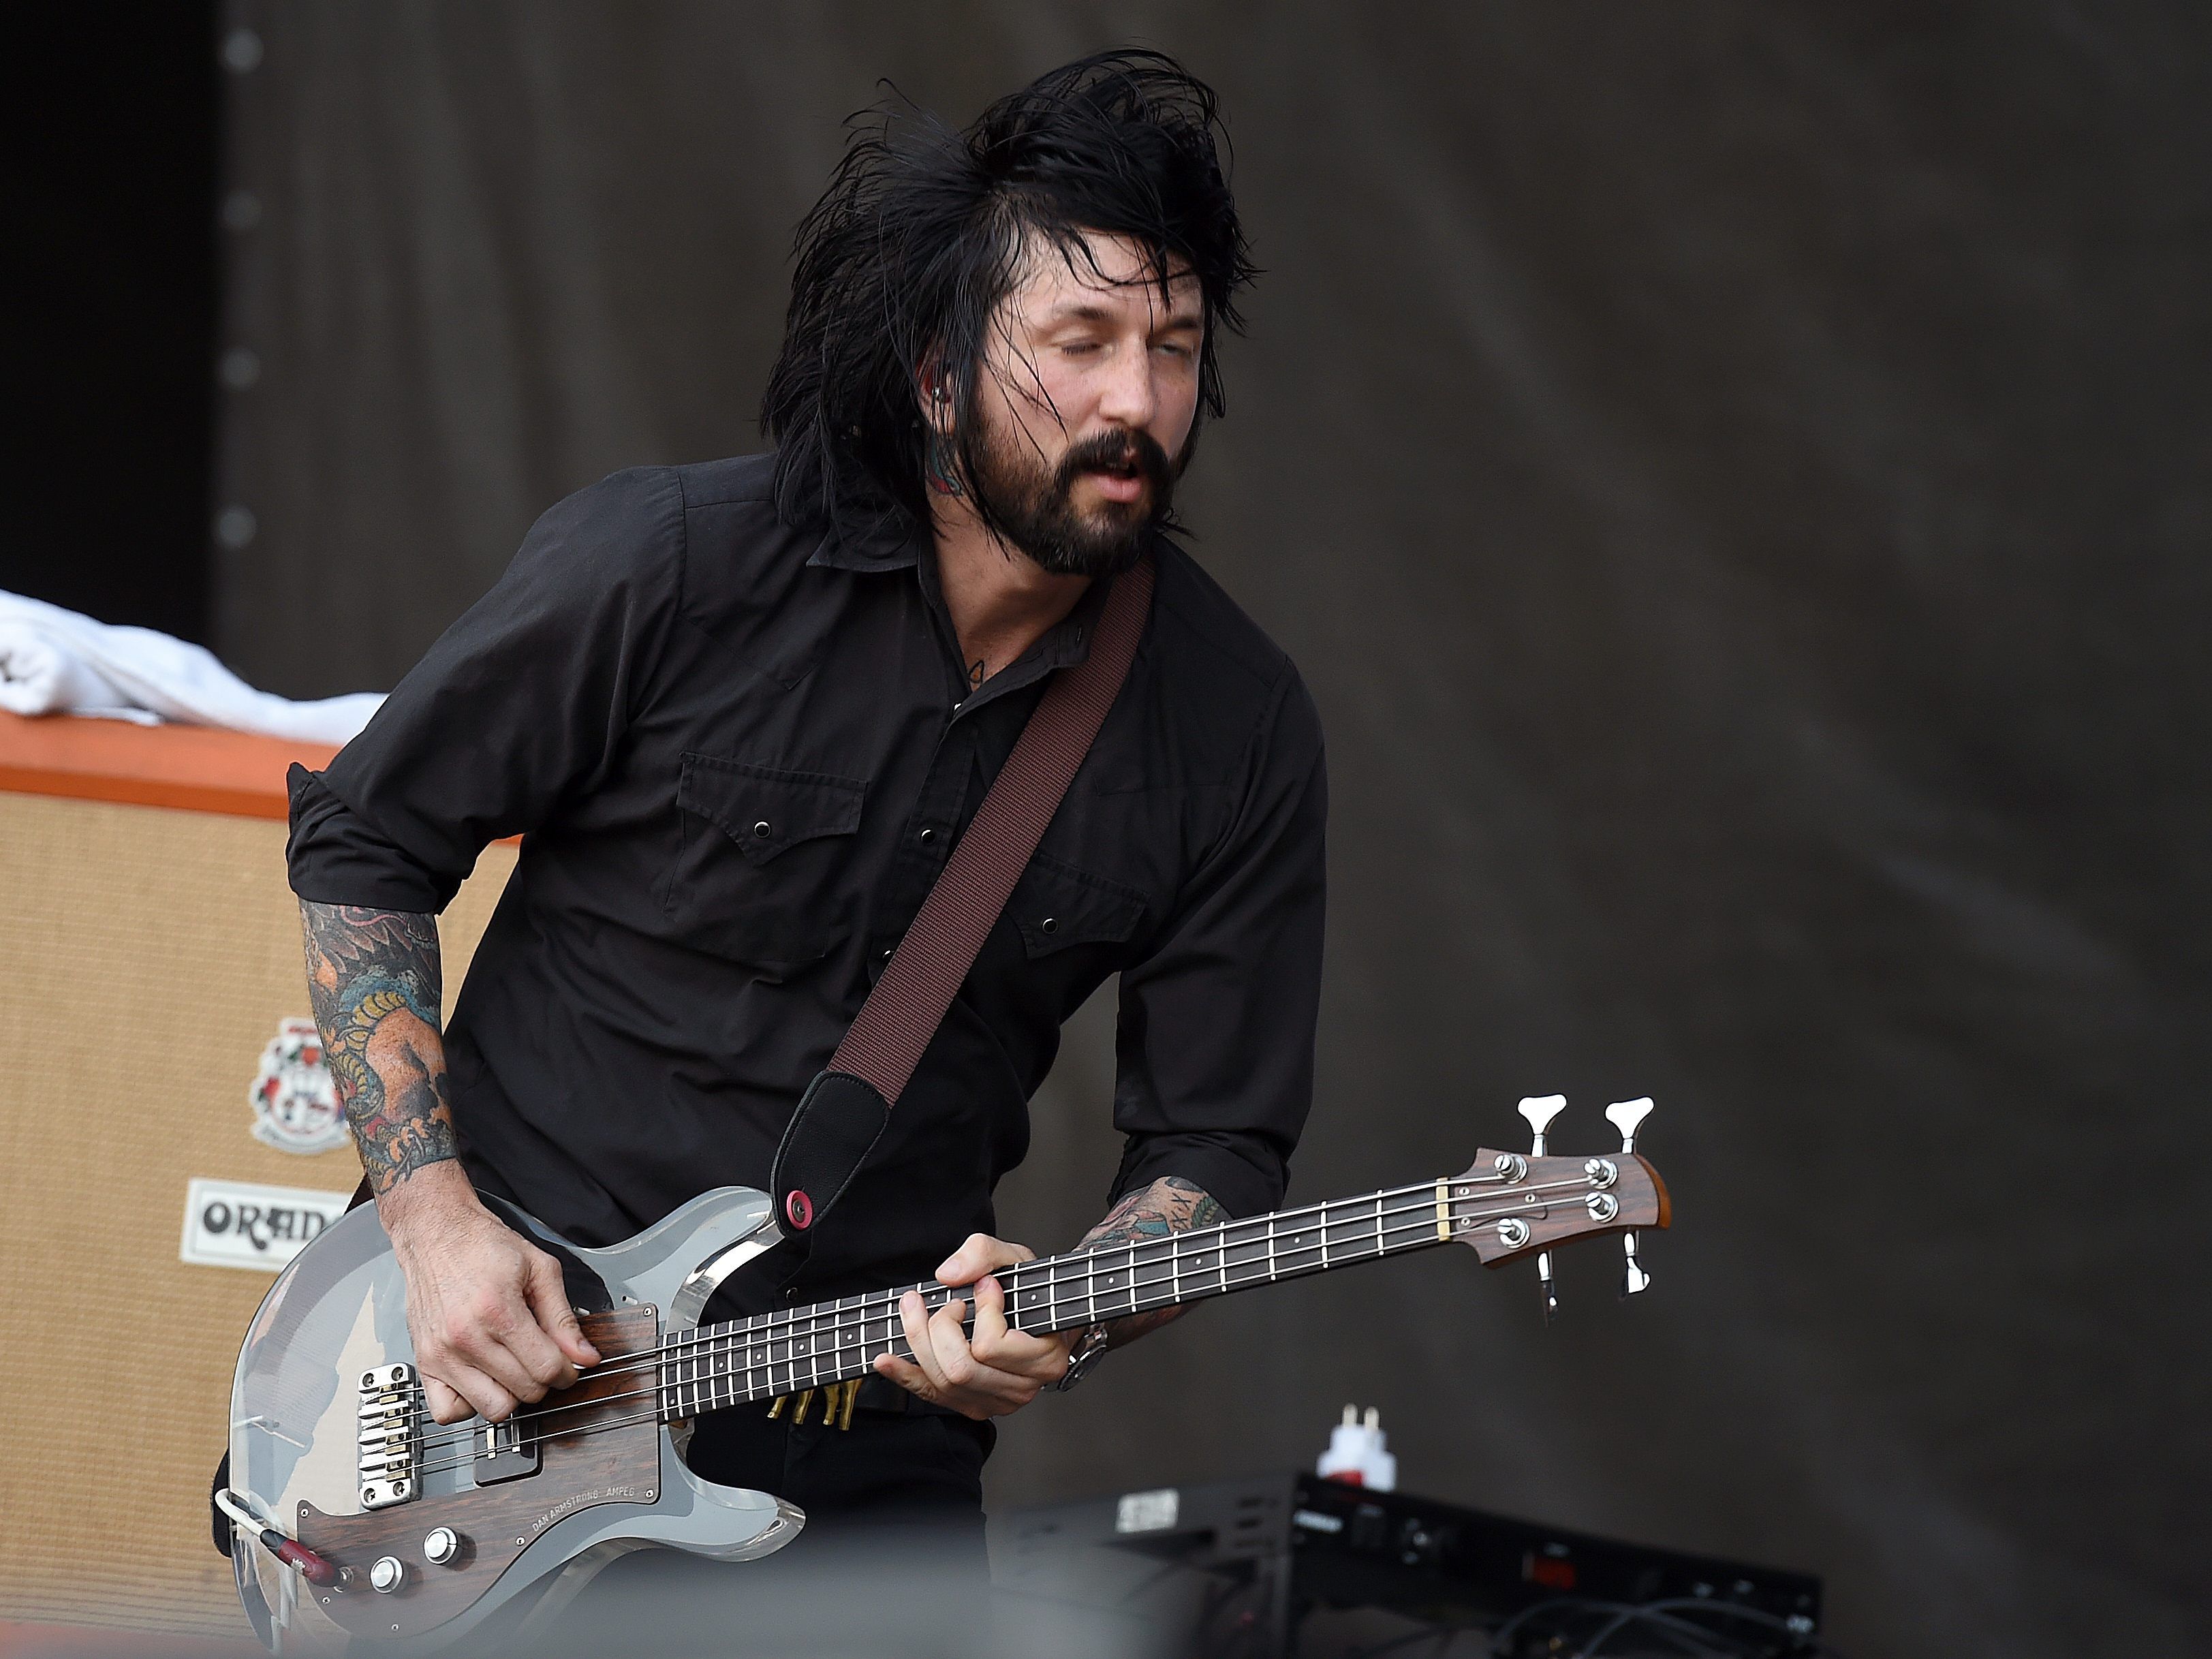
(1679, 1631)
(1663, 1618)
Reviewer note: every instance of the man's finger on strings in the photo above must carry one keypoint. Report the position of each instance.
(548, 1301)
(508, 1351)
(956, 1365)
(1003, 1348)
(980, 1255)
(907, 1375)
(975, 1382)
(446, 1404)
(913, 1320)
(481, 1393)
(542, 1361)
(990, 1326)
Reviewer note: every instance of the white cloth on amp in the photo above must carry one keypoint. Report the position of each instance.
(54, 661)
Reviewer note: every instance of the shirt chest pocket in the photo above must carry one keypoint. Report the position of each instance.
(766, 874)
(1057, 906)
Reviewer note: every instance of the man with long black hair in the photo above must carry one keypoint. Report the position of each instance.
(741, 711)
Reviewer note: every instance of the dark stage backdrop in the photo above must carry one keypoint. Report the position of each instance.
(1737, 478)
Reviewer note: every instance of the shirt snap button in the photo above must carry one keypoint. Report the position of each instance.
(1050, 924)
(761, 829)
(928, 835)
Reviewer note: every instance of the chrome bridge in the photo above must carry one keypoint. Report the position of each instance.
(391, 1433)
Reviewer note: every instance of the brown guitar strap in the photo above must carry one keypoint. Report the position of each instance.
(845, 1107)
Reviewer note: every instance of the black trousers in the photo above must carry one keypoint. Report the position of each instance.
(892, 1558)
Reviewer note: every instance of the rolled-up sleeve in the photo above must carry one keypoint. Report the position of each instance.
(520, 705)
(1215, 1045)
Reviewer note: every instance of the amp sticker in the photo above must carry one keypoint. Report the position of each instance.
(239, 1223)
(296, 1103)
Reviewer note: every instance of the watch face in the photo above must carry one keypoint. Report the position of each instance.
(1088, 1348)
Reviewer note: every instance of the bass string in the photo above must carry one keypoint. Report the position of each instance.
(865, 1348)
(864, 1351)
(700, 1349)
(1045, 1310)
(1022, 1282)
(784, 1330)
(1159, 1251)
(1099, 1260)
(786, 1326)
(1107, 1262)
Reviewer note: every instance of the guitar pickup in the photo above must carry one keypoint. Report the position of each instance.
(504, 1452)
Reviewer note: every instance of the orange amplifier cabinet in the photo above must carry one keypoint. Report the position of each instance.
(165, 1142)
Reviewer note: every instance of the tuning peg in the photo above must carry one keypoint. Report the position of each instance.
(1626, 1114)
(1635, 1281)
(1539, 1110)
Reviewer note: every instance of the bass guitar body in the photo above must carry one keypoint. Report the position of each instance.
(425, 1532)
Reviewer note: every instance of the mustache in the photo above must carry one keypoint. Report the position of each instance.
(1126, 453)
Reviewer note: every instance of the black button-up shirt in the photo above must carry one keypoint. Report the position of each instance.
(738, 754)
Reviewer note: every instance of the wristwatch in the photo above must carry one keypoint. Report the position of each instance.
(1090, 1348)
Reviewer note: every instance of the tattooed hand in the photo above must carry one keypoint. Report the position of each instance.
(992, 1369)
(486, 1308)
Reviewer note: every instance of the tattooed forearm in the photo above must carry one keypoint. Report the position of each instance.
(372, 976)
(1169, 1205)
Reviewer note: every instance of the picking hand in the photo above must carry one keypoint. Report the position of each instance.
(489, 1315)
(990, 1372)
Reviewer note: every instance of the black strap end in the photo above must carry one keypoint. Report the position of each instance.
(838, 1121)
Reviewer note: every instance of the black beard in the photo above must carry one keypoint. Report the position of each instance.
(1036, 509)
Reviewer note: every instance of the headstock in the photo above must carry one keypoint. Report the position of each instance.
(1511, 1205)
